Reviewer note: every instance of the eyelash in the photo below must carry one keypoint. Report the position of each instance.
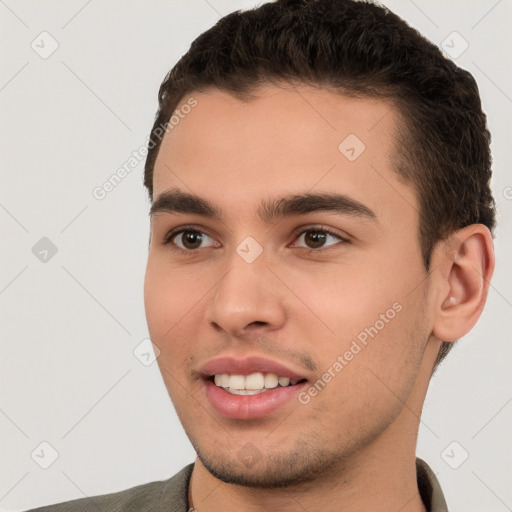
(183, 229)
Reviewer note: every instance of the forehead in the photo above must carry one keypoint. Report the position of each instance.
(284, 141)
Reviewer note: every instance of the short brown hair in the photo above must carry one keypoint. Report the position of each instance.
(360, 49)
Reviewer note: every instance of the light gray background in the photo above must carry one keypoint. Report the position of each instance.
(68, 375)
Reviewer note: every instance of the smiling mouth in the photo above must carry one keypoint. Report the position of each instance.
(253, 383)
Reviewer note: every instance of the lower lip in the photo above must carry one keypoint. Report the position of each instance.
(247, 407)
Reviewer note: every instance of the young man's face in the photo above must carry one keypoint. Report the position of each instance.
(265, 289)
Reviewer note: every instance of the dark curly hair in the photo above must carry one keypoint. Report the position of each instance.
(360, 49)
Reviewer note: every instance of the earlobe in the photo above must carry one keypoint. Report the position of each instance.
(466, 270)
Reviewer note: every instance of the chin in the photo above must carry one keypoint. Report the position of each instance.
(251, 468)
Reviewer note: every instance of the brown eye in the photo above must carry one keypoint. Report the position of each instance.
(317, 238)
(190, 239)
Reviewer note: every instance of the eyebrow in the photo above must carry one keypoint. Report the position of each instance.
(178, 201)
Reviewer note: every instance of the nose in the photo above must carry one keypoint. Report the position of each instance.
(246, 300)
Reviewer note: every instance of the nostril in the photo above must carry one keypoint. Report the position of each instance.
(257, 322)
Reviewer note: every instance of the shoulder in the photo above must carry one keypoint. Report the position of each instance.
(165, 495)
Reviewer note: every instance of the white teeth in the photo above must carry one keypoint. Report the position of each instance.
(236, 382)
(245, 391)
(251, 384)
(271, 380)
(284, 381)
(222, 380)
(254, 381)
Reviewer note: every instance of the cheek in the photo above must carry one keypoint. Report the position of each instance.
(174, 301)
(369, 369)
(170, 292)
(169, 304)
(340, 301)
(372, 317)
(371, 296)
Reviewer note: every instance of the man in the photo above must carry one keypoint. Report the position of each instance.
(321, 234)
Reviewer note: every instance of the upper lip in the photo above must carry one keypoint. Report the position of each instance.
(245, 366)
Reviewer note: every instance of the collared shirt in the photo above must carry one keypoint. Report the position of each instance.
(172, 496)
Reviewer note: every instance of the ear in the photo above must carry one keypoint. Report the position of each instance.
(466, 263)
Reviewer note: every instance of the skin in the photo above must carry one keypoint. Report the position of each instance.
(354, 443)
